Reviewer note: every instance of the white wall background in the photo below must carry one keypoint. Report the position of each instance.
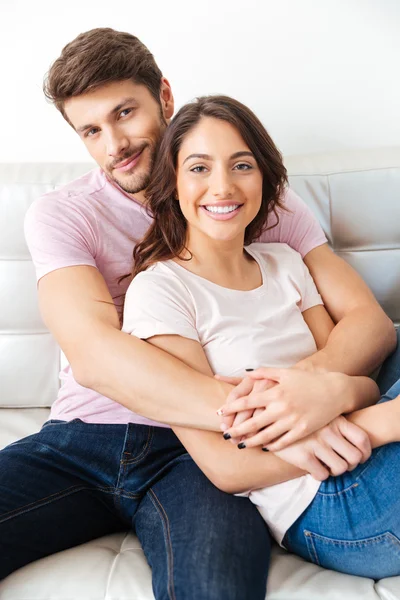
(322, 74)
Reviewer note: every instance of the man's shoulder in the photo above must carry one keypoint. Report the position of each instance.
(77, 197)
(85, 186)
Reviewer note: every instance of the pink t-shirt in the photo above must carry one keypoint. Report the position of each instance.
(91, 221)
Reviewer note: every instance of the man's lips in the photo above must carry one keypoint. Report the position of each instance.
(129, 163)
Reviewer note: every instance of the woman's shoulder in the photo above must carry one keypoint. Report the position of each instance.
(160, 279)
(278, 250)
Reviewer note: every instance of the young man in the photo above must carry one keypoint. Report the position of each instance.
(104, 462)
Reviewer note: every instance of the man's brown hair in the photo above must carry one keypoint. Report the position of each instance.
(97, 57)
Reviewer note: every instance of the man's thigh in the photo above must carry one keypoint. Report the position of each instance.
(46, 504)
(201, 543)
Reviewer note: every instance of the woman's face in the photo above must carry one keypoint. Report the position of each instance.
(219, 184)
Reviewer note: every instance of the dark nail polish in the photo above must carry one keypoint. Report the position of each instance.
(241, 445)
(265, 449)
(249, 369)
(227, 436)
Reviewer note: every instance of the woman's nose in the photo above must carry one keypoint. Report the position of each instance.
(222, 185)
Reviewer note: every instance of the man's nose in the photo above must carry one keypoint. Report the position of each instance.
(116, 144)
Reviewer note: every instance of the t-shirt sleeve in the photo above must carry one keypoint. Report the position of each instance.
(297, 226)
(310, 296)
(59, 235)
(159, 304)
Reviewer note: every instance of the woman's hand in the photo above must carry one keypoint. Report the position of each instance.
(295, 405)
(333, 450)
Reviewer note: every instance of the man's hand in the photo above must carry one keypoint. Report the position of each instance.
(299, 404)
(333, 450)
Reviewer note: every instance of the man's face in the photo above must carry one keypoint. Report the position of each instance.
(121, 125)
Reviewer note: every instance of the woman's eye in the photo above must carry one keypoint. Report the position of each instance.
(198, 169)
(243, 167)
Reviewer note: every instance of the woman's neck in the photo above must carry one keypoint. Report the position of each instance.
(222, 262)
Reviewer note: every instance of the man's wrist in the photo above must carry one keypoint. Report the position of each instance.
(364, 392)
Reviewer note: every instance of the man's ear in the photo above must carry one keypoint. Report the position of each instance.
(167, 99)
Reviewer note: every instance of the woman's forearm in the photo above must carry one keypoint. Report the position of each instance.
(232, 470)
(381, 422)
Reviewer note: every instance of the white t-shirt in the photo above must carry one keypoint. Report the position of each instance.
(237, 330)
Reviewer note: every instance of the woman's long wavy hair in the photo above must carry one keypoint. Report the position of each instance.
(166, 236)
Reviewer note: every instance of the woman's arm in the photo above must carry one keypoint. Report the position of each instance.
(229, 469)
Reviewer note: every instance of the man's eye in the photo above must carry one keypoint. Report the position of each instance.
(198, 169)
(125, 112)
(91, 132)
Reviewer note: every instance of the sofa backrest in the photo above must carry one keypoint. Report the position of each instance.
(355, 195)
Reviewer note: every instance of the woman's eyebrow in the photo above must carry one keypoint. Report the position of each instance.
(208, 157)
(243, 153)
(205, 156)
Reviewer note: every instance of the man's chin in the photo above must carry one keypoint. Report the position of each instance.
(132, 184)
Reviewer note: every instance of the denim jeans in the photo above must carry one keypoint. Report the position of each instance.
(353, 523)
(73, 482)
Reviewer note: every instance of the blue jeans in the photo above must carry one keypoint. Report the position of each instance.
(353, 523)
(73, 482)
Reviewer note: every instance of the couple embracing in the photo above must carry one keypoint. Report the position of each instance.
(214, 415)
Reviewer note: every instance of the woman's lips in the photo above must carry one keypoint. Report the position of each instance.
(126, 166)
(221, 216)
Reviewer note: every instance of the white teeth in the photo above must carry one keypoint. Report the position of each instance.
(222, 209)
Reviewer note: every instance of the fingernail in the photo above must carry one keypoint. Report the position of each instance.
(227, 436)
(220, 412)
(241, 445)
(265, 449)
(249, 369)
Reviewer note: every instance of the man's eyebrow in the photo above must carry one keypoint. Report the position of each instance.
(112, 112)
(208, 157)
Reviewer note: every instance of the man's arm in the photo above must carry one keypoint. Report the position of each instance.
(364, 335)
(77, 308)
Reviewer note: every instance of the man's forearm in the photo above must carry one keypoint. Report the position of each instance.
(149, 381)
(357, 345)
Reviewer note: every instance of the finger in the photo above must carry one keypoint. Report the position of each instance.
(316, 469)
(232, 380)
(264, 436)
(267, 373)
(334, 462)
(243, 389)
(290, 437)
(251, 426)
(356, 436)
(254, 400)
(239, 419)
(227, 422)
(351, 454)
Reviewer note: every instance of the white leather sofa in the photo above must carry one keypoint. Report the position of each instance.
(355, 195)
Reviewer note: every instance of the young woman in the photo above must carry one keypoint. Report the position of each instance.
(205, 292)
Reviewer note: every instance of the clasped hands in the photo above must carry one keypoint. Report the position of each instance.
(296, 414)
